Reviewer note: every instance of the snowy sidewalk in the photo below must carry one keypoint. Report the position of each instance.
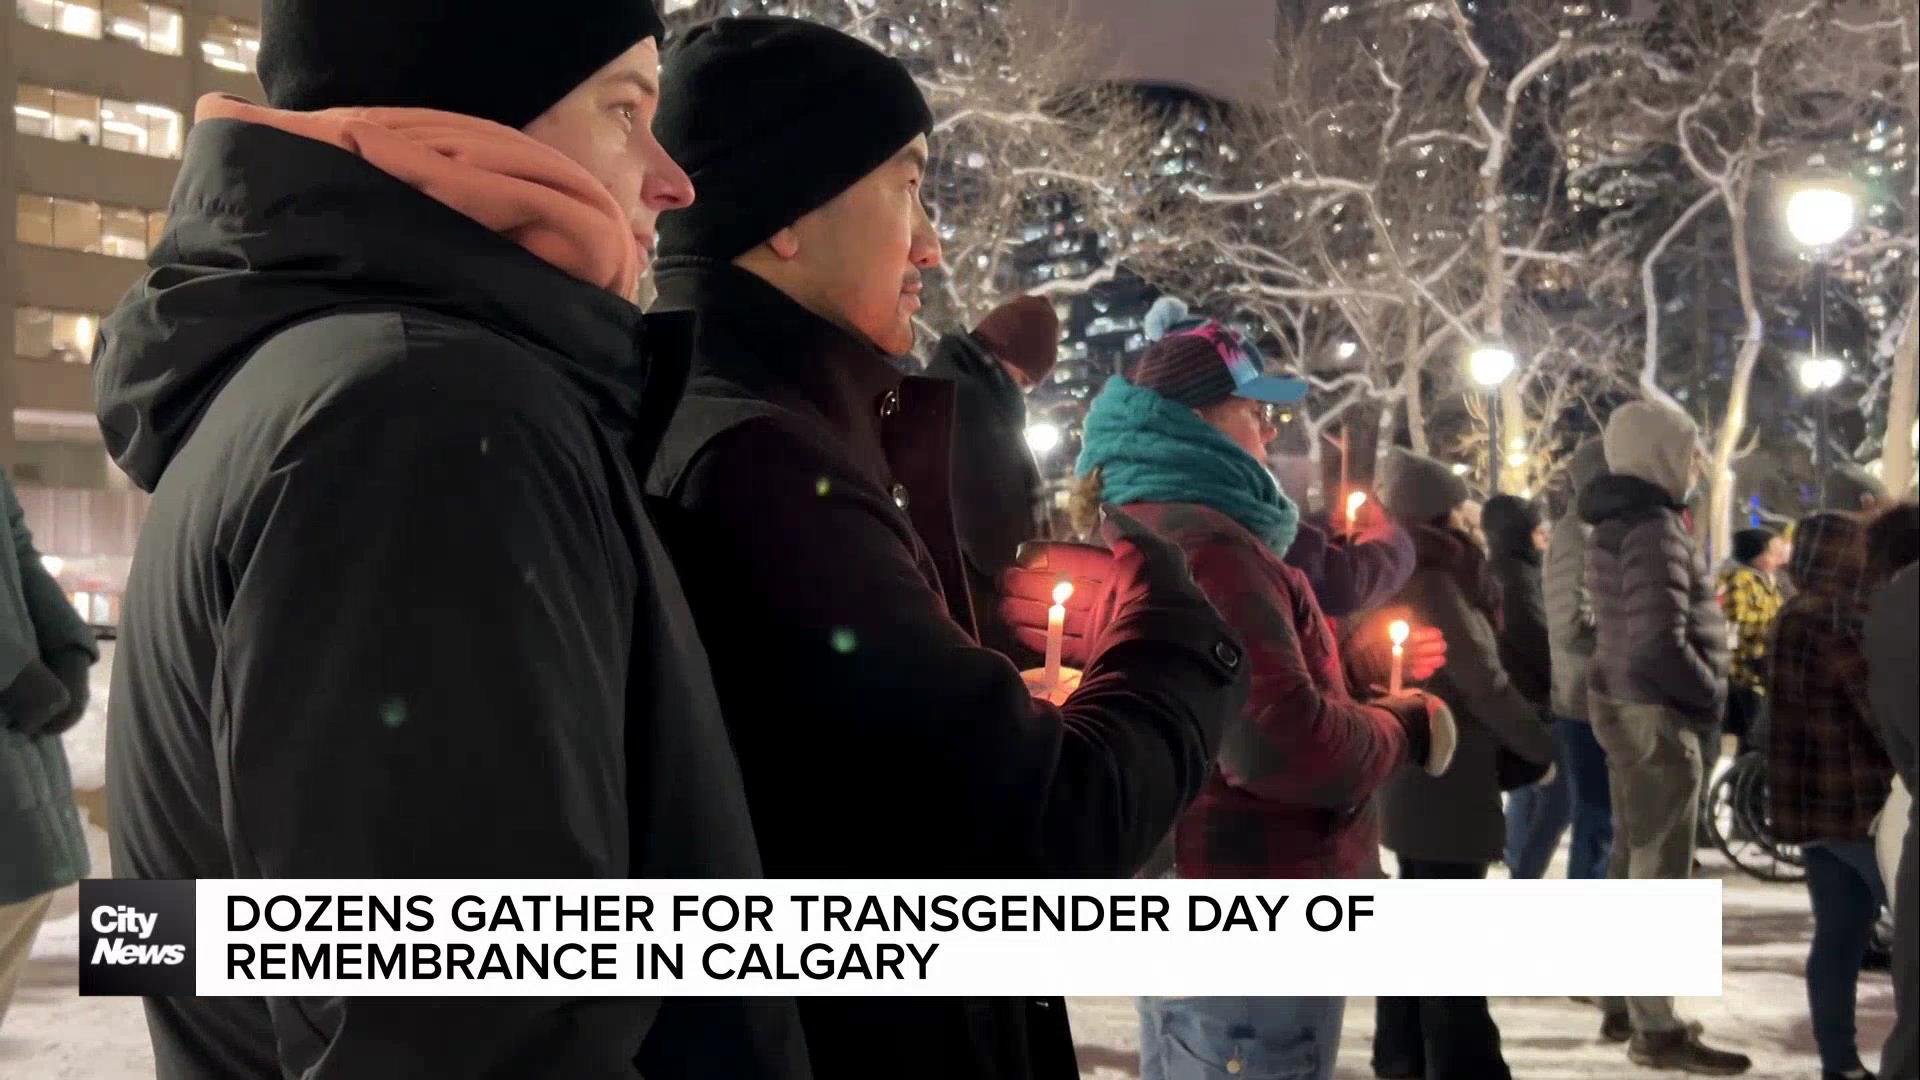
(1763, 1012)
(51, 1034)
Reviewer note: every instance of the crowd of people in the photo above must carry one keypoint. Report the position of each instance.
(459, 564)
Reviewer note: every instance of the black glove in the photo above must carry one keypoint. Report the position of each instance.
(35, 701)
(1140, 581)
(1517, 772)
(1432, 732)
(71, 667)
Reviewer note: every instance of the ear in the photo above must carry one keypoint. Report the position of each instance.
(785, 243)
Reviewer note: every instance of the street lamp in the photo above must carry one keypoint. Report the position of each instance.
(1043, 438)
(1490, 365)
(1818, 214)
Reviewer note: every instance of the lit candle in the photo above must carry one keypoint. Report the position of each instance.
(1354, 502)
(1056, 634)
(1397, 630)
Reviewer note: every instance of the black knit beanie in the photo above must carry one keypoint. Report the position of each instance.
(499, 60)
(1750, 544)
(772, 118)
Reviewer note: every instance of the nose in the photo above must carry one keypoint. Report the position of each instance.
(666, 185)
(925, 252)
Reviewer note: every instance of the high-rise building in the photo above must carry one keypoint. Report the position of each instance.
(104, 91)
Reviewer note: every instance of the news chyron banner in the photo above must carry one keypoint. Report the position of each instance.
(793, 938)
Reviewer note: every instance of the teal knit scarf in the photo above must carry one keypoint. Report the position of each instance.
(1149, 449)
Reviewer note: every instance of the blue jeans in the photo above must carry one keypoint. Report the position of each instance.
(1537, 815)
(1592, 798)
(1844, 882)
(1218, 1038)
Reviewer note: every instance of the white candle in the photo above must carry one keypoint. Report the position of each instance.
(1056, 634)
(1354, 502)
(1397, 630)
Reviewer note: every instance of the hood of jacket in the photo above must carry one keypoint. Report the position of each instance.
(1830, 560)
(1509, 523)
(1449, 551)
(965, 360)
(269, 229)
(1617, 495)
(1654, 442)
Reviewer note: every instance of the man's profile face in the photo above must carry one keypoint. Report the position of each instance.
(605, 126)
(857, 260)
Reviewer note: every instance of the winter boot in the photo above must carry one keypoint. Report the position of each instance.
(1618, 1027)
(1683, 1050)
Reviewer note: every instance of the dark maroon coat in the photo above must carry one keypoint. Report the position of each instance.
(1293, 796)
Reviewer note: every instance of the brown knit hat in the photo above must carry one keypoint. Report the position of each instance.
(1023, 333)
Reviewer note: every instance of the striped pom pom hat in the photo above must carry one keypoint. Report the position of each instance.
(1198, 362)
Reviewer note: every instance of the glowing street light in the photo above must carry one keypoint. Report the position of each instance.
(1818, 215)
(1489, 366)
(1821, 373)
(1346, 349)
(1043, 438)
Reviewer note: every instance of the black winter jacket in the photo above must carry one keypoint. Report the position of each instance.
(806, 483)
(997, 495)
(1659, 636)
(397, 610)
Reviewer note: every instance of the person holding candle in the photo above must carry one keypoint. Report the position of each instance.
(805, 486)
(1178, 443)
(1450, 826)
(1352, 565)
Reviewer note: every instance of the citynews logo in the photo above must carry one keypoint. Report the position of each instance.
(136, 937)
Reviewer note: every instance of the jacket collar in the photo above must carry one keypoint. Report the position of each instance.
(749, 334)
(269, 228)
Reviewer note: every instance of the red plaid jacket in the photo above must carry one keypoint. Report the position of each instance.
(1291, 795)
(1828, 774)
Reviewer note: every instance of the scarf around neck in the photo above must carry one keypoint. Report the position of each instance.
(1149, 449)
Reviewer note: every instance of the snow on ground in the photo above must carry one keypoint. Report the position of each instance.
(51, 1034)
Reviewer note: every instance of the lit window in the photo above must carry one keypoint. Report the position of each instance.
(132, 126)
(76, 225)
(81, 18)
(33, 111)
(66, 336)
(231, 46)
(123, 233)
(154, 27)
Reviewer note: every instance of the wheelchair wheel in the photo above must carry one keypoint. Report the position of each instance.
(1737, 822)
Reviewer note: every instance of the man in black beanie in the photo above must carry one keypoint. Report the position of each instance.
(814, 529)
(398, 609)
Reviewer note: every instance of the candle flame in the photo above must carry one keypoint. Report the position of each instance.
(1354, 502)
(1062, 591)
(1398, 631)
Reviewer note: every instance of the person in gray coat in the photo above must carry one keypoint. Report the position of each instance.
(1583, 764)
(1892, 638)
(1658, 678)
(1450, 826)
(45, 651)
